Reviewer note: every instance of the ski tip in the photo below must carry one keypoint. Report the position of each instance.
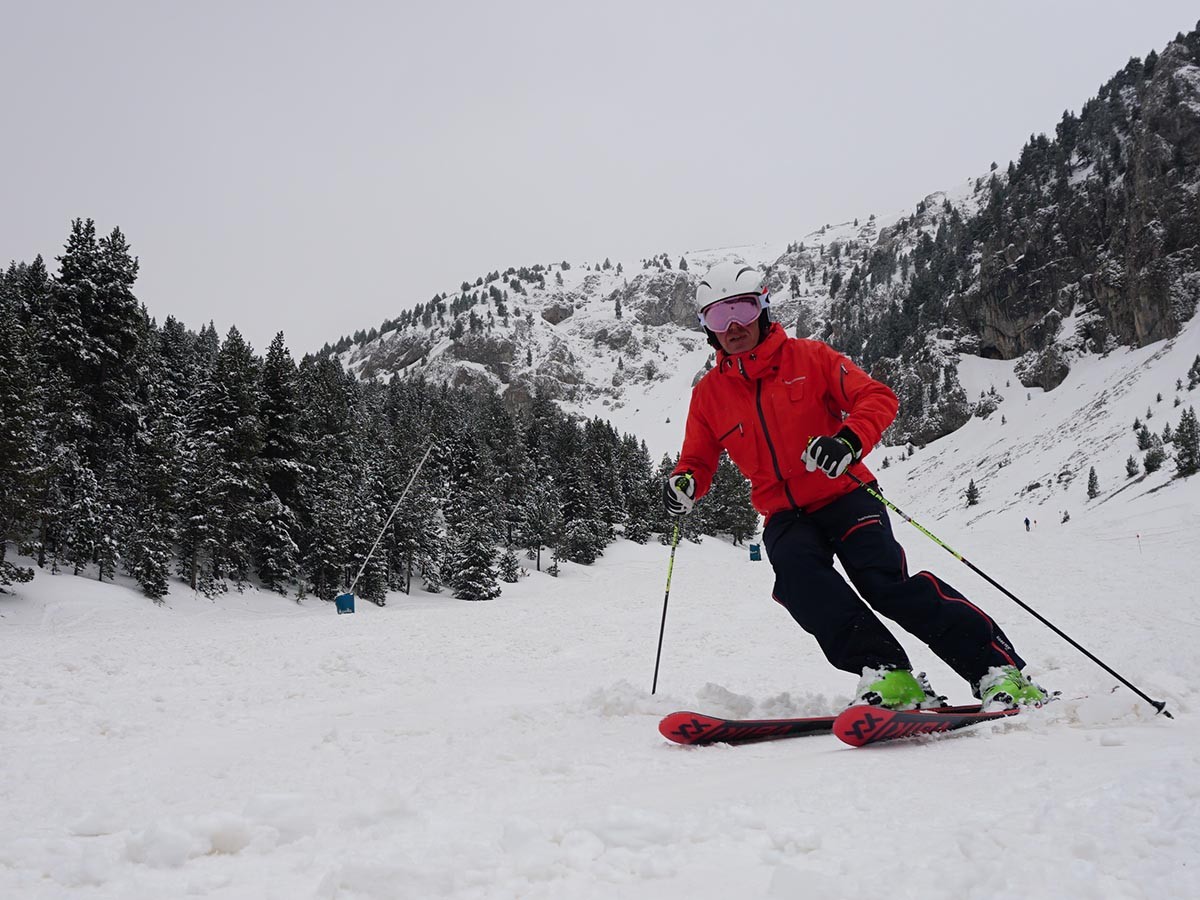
(687, 727)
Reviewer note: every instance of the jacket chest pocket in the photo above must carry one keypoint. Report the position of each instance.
(792, 402)
(796, 388)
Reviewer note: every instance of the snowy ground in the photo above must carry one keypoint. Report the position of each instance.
(436, 748)
(253, 748)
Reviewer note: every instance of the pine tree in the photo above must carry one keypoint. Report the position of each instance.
(972, 493)
(94, 325)
(87, 522)
(229, 406)
(150, 486)
(325, 553)
(1093, 486)
(1131, 466)
(278, 469)
(470, 518)
(580, 542)
(542, 522)
(200, 523)
(504, 444)
(509, 567)
(1187, 444)
(642, 495)
(19, 416)
(472, 564)
(279, 411)
(1155, 456)
(726, 509)
(601, 461)
(327, 481)
(276, 553)
(153, 532)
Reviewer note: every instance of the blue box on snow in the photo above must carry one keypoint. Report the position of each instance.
(755, 552)
(345, 603)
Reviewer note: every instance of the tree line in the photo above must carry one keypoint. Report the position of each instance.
(180, 457)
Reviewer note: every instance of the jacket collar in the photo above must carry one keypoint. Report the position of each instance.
(758, 362)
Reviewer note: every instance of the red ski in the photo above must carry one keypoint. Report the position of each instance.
(696, 728)
(860, 725)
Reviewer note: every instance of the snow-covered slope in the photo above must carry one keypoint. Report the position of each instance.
(1032, 454)
(248, 747)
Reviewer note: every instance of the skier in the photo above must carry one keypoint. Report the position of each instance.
(1027, 523)
(794, 415)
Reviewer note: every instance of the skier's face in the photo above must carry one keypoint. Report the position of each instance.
(739, 338)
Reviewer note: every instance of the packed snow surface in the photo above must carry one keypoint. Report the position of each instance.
(253, 747)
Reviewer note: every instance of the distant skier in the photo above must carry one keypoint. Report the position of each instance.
(794, 415)
(1027, 523)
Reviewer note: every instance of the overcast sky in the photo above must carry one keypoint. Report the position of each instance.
(318, 167)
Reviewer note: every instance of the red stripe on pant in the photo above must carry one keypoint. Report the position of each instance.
(991, 625)
(855, 528)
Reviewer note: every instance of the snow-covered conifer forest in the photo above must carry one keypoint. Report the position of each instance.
(183, 458)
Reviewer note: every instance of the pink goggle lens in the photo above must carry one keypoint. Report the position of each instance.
(743, 310)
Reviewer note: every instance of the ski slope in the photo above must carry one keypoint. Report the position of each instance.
(250, 747)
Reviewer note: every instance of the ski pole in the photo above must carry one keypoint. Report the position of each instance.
(663, 627)
(1159, 705)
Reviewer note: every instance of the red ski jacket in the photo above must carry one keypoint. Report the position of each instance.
(764, 405)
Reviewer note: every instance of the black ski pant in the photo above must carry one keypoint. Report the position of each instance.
(855, 527)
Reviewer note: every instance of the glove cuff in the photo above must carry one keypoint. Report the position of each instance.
(851, 438)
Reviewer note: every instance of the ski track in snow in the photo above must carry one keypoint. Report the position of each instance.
(250, 747)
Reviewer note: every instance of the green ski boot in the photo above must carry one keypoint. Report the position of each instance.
(895, 689)
(1006, 687)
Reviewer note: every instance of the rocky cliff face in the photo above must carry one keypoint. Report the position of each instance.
(1102, 221)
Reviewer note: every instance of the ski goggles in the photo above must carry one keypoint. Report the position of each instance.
(743, 309)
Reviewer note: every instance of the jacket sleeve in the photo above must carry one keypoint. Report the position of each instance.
(868, 406)
(700, 448)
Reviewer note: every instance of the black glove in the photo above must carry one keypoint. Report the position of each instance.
(679, 493)
(834, 453)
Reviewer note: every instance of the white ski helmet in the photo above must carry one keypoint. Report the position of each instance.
(730, 279)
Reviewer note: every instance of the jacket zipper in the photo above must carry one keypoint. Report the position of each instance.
(770, 445)
(737, 428)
